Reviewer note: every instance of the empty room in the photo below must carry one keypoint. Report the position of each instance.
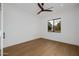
(40, 29)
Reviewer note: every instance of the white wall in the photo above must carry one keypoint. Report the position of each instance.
(19, 25)
(0, 25)
(69, 25)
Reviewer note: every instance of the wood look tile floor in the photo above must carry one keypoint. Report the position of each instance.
(42, 47)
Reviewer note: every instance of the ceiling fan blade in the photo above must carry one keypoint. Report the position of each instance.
(39, 12)
(48, 10)
(40, 6)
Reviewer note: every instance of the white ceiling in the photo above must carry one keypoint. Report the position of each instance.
(32, 8)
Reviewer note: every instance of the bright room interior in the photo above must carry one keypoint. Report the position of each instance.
(22, 25)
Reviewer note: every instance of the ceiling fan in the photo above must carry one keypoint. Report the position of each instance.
(41, 6)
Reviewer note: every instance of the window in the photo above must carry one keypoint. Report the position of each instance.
(54, 25)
